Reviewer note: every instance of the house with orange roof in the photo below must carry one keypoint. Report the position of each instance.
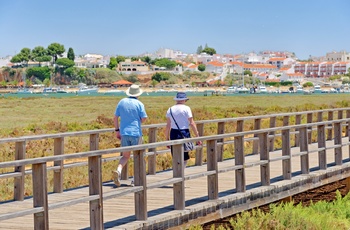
(281, 61)
(214, 67)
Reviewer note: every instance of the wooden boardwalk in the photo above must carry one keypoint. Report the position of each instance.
(119, 213)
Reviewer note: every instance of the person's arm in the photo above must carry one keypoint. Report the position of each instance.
(194, 128)
(143, 119)
(116, 126)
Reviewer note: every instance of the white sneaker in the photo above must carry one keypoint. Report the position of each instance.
(132, 184)
(116, 178)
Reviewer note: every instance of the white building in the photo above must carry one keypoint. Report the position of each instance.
(338, 56)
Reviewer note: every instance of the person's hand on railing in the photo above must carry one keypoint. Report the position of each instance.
(199, 143)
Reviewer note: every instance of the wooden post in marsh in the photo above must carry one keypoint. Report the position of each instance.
(309, 132)
(95, 185)
(152, 163)
(240, 161)
(330, 126)
(199, 150)
(20, 154)
(220, 151)
(296, 136)
(58, 173)
(212, 165)
(272, 133)
(178, 172)
(140, 180)
(40, 196)
(338, 155)
(321, 140)
(257, 126)
(304, 148)
(286, 151)
(264, 156)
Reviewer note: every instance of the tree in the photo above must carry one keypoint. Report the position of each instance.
(199, 49)
(70, 54)
(112, 63)
(65, 62)
(55, 50)
(22, 57)
(164, 62)
(39, 54)
(201, 67)
(209, 51)
(120, 59)
(41, 73)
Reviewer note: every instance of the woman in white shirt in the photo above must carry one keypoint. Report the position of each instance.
(184, 119)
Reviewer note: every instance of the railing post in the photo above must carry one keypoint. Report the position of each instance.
(347, 124)
(257, 126)
(213, 183)
(239, 127)
(264, 155)
(199, 150)
(338, 155)
(95, 188)
(40, 197)
(309, 133)
(296, 137)
(321, 139)
(304, 159)
(140, 180)
(286, 163)
(272, 133)
(239, 161)
(320, 116)
(152, 163)
(20, 154)
(58, 173)
(330, 129)
(221, 130)
(178, 172)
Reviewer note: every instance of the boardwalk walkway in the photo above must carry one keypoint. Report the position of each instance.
(119, 213)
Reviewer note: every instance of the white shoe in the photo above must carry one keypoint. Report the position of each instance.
(132, 184)
(116, 178)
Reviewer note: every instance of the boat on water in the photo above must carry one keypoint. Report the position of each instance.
(317, 89)
(261, 89)
(299, 89)
(50, 90)
(87, 90)
(23, 91)
(242, 89)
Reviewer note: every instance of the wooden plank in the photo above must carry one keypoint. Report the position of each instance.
(321, 141)
(20, 153)
(220, 151)
(304, 159)
(58, 173)
(337, 141)
(286, 151)
(40, 197)
(95, 188)
(212, 164)
(272, 139)
(140, 180)
(264, 156)
(257, 126)
(152, 137)
(199, 151)
(240, 160)
(178, 172)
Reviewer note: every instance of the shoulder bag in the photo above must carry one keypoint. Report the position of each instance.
(188, 146)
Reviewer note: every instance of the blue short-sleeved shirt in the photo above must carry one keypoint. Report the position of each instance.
(131, 111)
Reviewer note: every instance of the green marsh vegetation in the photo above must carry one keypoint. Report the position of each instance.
(318, 216)
(34, 116)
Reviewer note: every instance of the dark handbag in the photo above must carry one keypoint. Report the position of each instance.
(188, 146)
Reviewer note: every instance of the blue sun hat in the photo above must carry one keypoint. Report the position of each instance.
(181, 96)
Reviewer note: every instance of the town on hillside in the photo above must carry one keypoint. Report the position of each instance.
(202, 69)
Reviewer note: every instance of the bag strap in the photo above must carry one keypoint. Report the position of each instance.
(176, 123)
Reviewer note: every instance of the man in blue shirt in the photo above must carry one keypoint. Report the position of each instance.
(132, 113)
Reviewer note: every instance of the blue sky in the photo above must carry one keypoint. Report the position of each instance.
(133, 27)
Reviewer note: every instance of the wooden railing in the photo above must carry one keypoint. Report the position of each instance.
(319, 126)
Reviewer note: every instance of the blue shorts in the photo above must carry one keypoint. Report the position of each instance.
(130, 140)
